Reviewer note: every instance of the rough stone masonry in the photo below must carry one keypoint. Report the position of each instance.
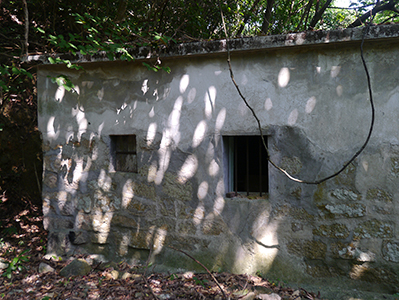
(137, 161)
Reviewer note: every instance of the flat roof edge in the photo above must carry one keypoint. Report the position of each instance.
(256, 43)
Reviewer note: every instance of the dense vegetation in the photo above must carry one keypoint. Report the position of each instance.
(51, 26)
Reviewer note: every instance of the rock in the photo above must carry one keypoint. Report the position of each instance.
(249, 296)
(107, 265)
(126, 275)
(268, 297)
(45, 268)
(3, 264)
(114, 274)
(76, 267)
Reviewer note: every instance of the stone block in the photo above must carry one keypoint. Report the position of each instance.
(374, 229)
(375, 275)
(176, 189)
(186, 243)
(395, 166)
(351, 251)
(167, 207)
(390, 251)
(126, 221)
(83, 221)
(377, 194)
(308, 249)
(350, 210)
(79, 237)
(106, 201)
(314, 249)
(84, 203)
(54, 222)
(66, 204)
(145, 191)
(138, 207)
(141, 239)
(101, 222)
(184, 211)
(100, 238)
(186, 227)
(78, 267)
(50, 180)
(335, 230)
(214, 225)
(295, 246)
(345, 195)
(52, 163)
(292, 165)
(302, 215)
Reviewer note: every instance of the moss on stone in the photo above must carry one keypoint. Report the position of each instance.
(377, 194)
(347, 177)
(167, 207)
(314, 250)
(395, 166)
(140, 208)
(337, 249)
(295, 247)
(175, 189)
(302, 215)
(320, 194)
(186, 227)
(124, 221)
(213, 225)
(350, 210)
(292, 165)
(332, 231)
(374, 229)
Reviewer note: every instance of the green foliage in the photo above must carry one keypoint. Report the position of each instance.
(199, 281)
(16, 263)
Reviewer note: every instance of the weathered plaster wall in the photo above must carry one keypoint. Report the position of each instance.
(313, 104)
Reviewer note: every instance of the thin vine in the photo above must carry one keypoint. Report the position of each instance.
(285, 172)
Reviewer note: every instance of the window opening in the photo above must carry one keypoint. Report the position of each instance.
(124, 153)
(247, 165)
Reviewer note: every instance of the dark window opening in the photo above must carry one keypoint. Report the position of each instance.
(124, 154)
(247, 164)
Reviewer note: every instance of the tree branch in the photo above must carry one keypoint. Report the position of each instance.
(246, 17)
(306, 13)
(316, 18)
(268, 14)
(26, 26)
(379, 7)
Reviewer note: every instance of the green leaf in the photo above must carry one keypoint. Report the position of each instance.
(150, 68)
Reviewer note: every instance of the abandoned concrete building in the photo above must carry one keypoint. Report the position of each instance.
(137, 160)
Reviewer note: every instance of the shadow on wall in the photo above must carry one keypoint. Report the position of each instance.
(175, 192)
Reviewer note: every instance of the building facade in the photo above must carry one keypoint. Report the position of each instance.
(136, 161)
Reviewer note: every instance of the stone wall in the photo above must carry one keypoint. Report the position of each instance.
(313, 105)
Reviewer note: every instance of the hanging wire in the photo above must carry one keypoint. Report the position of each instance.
(366, 30)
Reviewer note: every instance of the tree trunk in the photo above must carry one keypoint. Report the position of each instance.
(268, 14)
(316, 18)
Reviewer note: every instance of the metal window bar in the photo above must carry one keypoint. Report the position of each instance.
(247, 162)
(235, 167)
(247, 157)
(260, 167)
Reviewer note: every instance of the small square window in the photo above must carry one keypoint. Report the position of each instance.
(124, 153)
(246, 165)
